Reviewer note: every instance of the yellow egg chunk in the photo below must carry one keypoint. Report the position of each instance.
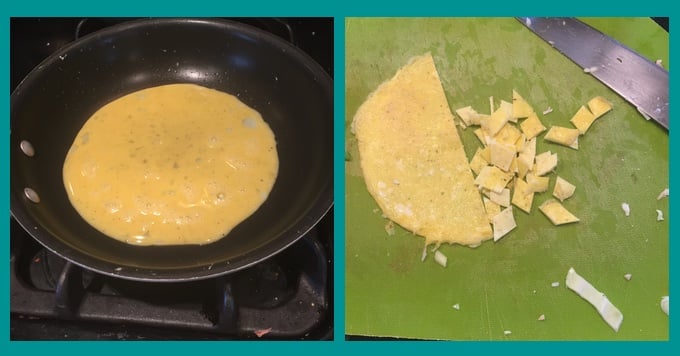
(557, 213)
(470, 116)
(545, 163)
(532, 126)
(493, 178)
(599, 106)
(521, 143)
(485, 153)
(495, 121)
(583, 119)
(564, 136)
(492, 208)
(563, 189)
(537, 184)
(520, 108)
(171, 165)
(502, 199)
(523, 197)
(478, 162)
(524, 166)
(508, 110)
(503, 223)
(480, 135)
(501, 154)
(508, 135)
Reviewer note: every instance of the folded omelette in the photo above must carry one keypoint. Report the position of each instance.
(413, 160)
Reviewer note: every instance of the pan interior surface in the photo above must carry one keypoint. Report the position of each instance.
(293, 94)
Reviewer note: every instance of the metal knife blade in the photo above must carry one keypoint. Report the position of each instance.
(641, 82)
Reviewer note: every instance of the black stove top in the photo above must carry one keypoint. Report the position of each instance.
(289, 296)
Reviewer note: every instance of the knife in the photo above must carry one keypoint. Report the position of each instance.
(641, 82)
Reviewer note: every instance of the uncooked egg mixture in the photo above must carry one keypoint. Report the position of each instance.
(171, 165)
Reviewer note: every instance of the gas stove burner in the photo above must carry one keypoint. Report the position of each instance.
(286, 297)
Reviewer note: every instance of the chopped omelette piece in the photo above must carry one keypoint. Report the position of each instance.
(508, 110)
(495, 122)
(405, 131)
(545, 163)
(563, 135)
(521, 143)
(525, 160)
(583, 119)
(493, 178)
(520, 107)
(532, 126)
(524, 166)
(537, 184)
(557, 213)
(523, 197)
(485, 153)
(501, 154)
(563, 189)
(508, 135)
(478, 162)
(480, 135)
(492, 209)
(470, 116)
(503, 223)
(502, 199)
(599, 106)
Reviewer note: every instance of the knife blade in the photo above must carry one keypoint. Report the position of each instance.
(638, 80)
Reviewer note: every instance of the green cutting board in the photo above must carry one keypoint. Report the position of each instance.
(506, 286)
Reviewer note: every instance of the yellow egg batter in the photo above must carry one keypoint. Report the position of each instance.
(171, 165)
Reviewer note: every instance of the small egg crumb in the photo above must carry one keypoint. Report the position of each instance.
(665, 304)
(456, 306)
(555, 284)
(626, 208)
(541, 317)
(659, 215)
(628, 276)
(507, 332)
(389, 228)
(440, 258)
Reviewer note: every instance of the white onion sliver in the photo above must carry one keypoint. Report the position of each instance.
(665, 305)
(585, 290)
(440, 258)
(659, 215)
(663, 194)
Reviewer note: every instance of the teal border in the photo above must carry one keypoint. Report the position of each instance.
(339, 10)
(339, 181)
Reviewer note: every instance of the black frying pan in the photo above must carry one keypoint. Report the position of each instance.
(290, 90)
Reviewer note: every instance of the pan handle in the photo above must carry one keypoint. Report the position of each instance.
(70, 291)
